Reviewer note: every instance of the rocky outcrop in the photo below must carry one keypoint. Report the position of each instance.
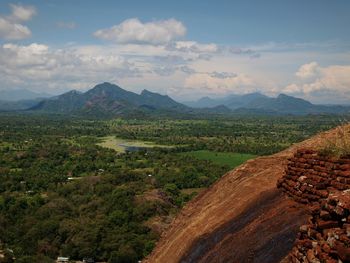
(323, 185)
(264, 232)
(243, 217)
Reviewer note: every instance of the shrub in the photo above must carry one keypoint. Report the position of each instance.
(338, 145)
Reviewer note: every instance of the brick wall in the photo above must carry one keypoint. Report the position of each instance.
(323, 184)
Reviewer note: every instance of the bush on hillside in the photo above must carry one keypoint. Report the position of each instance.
(338, 145)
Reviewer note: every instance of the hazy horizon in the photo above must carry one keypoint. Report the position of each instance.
(184, 50)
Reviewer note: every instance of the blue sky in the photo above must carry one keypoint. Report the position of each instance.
(186, 49)
(224, 22)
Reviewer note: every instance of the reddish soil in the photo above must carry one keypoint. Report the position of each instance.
(241, 218)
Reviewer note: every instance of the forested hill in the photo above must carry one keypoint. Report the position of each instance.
(108, 100)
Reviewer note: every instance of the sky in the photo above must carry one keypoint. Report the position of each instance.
(185, 49)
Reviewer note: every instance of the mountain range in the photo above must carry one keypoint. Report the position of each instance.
(232, 101)
(259, 103)
(109, 100)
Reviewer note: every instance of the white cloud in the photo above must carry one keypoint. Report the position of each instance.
(213, 83)
(329, 84)
(335, 77)
(292, 89)
(134, 31)
(13, 31)
(308, 70)
(11, 27)
(21, 13)
(34, 48)
(38, 66)
(192, 46)
(56, 70)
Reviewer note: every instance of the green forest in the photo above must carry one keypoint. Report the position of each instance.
(63, 194)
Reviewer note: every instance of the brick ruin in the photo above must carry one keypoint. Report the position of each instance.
(323, 184)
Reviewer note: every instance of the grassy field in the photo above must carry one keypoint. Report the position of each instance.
(230, 159)
(120, 145)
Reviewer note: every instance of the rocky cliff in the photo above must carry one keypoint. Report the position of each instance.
(243, 217)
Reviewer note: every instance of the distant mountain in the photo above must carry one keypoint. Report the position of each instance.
(204, 102)
(18, 105)
(232, 101)
(257, 103)
(107, 100)
(160, 101)
(21, 94)
(67, 102)
(221, 109)
(284, 104)
(244, 100)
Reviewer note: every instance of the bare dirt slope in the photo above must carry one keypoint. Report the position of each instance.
(241, 218)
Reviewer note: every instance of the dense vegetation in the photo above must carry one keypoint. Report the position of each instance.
(254, 134)
(224, 158)
(62, 194)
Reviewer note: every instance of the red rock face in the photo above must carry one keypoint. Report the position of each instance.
(323, 185)
(244, 218)
(241, 218)
(264, 232)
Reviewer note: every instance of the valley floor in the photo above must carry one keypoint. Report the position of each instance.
(62, 194)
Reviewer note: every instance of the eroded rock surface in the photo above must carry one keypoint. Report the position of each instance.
(241, 218)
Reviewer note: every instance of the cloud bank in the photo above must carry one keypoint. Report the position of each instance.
(322, 83)
(134, 31)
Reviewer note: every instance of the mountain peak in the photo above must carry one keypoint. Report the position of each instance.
(105, 86)
(282, 95)
(254, 95)
(73, 91)
(289, 98)
(146, 92)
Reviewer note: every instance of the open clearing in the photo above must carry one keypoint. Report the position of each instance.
(222, 158)
(121, 145)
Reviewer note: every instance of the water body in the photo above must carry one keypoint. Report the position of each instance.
(129, 148)
(123, 145)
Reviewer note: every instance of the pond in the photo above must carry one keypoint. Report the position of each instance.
(125, 145)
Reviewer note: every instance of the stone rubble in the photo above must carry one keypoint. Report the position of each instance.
(323, 184)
